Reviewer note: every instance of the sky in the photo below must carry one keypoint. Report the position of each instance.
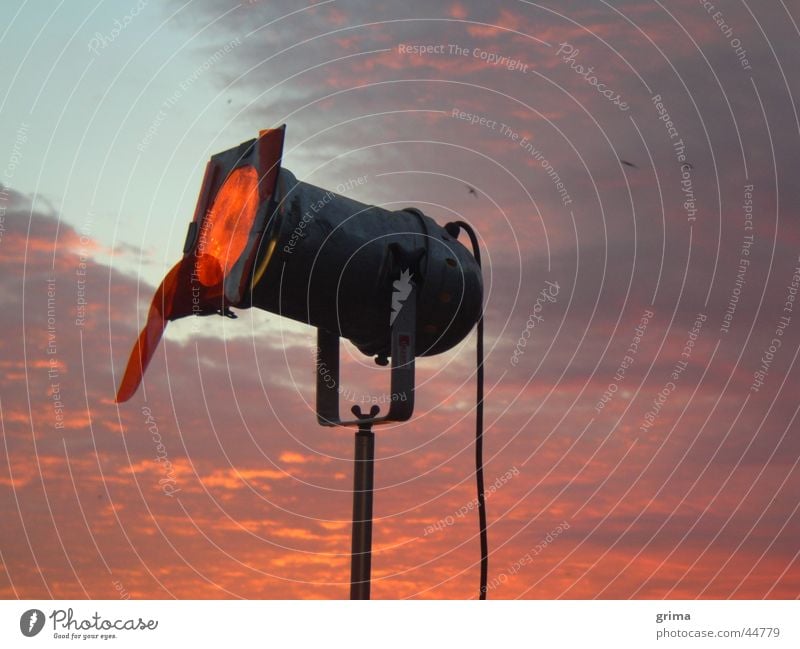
(634, 166)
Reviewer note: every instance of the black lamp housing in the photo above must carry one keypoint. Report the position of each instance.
(394, 283)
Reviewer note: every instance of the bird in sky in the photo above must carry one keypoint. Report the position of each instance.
(472, 191)
(628, 164)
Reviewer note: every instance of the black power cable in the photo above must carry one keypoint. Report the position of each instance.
(453, 229)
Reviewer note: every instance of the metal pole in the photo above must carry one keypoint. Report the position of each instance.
(361, 558)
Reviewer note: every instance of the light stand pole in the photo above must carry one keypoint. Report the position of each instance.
(363, 483)
(402, 337)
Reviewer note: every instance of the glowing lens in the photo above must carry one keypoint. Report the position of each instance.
(226, 228)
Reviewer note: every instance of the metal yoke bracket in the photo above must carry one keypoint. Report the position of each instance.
(403, 345)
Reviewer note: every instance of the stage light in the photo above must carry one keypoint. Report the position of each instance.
(393, 282)
(261, 238)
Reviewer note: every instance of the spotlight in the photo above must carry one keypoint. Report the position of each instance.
(394, 283)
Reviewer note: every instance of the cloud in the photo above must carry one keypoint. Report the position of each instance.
(215, 480)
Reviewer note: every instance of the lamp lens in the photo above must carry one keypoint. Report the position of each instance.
(224, 232)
